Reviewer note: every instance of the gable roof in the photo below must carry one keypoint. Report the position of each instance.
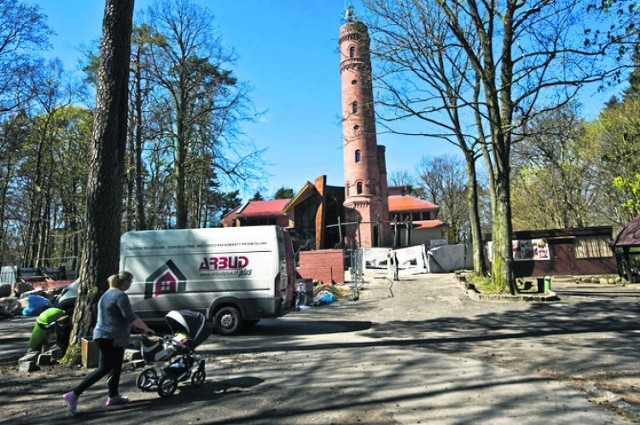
(233, 212)
(263, 208)
(409, 203)
(307, 190)
(630, 235)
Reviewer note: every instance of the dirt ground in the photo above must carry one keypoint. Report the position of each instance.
(586, 340)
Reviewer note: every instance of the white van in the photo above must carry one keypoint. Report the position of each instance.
(234, 275)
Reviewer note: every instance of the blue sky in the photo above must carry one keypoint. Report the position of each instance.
(288, 52)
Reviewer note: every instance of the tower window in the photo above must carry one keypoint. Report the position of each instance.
(354, 107)
(354, 82)
(356, 127)
(358, 155)
(352, 51)
(359, 188)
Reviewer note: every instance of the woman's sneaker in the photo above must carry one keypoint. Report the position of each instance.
(72, 401)
(119, 399)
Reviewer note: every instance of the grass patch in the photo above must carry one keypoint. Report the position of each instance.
(483, 284)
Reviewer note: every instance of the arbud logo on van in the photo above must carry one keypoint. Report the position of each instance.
(224, 262)
(167, 279)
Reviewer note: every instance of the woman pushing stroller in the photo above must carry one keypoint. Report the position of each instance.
(111, 335)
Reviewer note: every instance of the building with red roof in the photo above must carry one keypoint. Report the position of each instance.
(413, 220)
(365, 211)
(315, 216)
(259, 213)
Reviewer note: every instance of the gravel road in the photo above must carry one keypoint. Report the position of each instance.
(420, 351)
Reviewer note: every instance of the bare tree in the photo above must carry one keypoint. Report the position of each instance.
(202, 103)
(553, 174)
(422, 75)
(495, 64)
(402, 178)
(444, 181)
(50, 95)
(23, 31)
(105, 185)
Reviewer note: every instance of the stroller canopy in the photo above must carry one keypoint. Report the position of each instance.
(190, 322)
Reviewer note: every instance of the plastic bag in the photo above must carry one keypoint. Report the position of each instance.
(36, 304)
(325, 297)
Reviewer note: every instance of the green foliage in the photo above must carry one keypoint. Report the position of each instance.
(553, 174)
(631, 187)
(283, 193)
(222, 203)
(615, 138)
(197, 105)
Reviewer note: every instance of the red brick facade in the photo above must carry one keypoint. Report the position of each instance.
(364, 161)
(326, 265)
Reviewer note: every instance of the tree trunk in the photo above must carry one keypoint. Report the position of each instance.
(502, 253)
(479, 264)
(180, 167)
(138, 145)
(129, 208)
(104, 188)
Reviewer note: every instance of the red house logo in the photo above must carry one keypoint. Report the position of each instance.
(168, 279)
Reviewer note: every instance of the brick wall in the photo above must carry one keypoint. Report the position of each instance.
(326, 265)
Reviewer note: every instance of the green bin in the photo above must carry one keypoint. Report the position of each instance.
(547, 284)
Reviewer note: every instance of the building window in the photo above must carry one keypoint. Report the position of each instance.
(592, 247)
(352, 51)
(356, 127)
(358, 155)
(354, 82)
(359, 188)
(354, 107)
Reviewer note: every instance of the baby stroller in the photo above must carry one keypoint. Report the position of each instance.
(173, 356)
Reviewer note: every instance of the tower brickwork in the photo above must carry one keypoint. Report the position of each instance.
(366, 197)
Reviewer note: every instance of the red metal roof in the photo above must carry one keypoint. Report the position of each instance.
(409, 203)
(275, 207)
(427, 224)
(264, 208)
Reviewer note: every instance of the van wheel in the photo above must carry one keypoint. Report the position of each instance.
(228, 321)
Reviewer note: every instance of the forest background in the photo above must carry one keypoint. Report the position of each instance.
(185, 160)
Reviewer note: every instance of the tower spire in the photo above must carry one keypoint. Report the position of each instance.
(349, 14)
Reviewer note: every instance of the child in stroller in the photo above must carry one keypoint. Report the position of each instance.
(173, 356)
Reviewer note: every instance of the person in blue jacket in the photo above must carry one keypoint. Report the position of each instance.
(111, 335)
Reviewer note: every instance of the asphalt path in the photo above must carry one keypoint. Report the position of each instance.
(420, 351)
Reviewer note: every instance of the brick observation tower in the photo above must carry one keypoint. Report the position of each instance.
(365, 174)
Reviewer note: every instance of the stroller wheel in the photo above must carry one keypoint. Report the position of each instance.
(147, 379)
(198, 377)
(167, 386)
